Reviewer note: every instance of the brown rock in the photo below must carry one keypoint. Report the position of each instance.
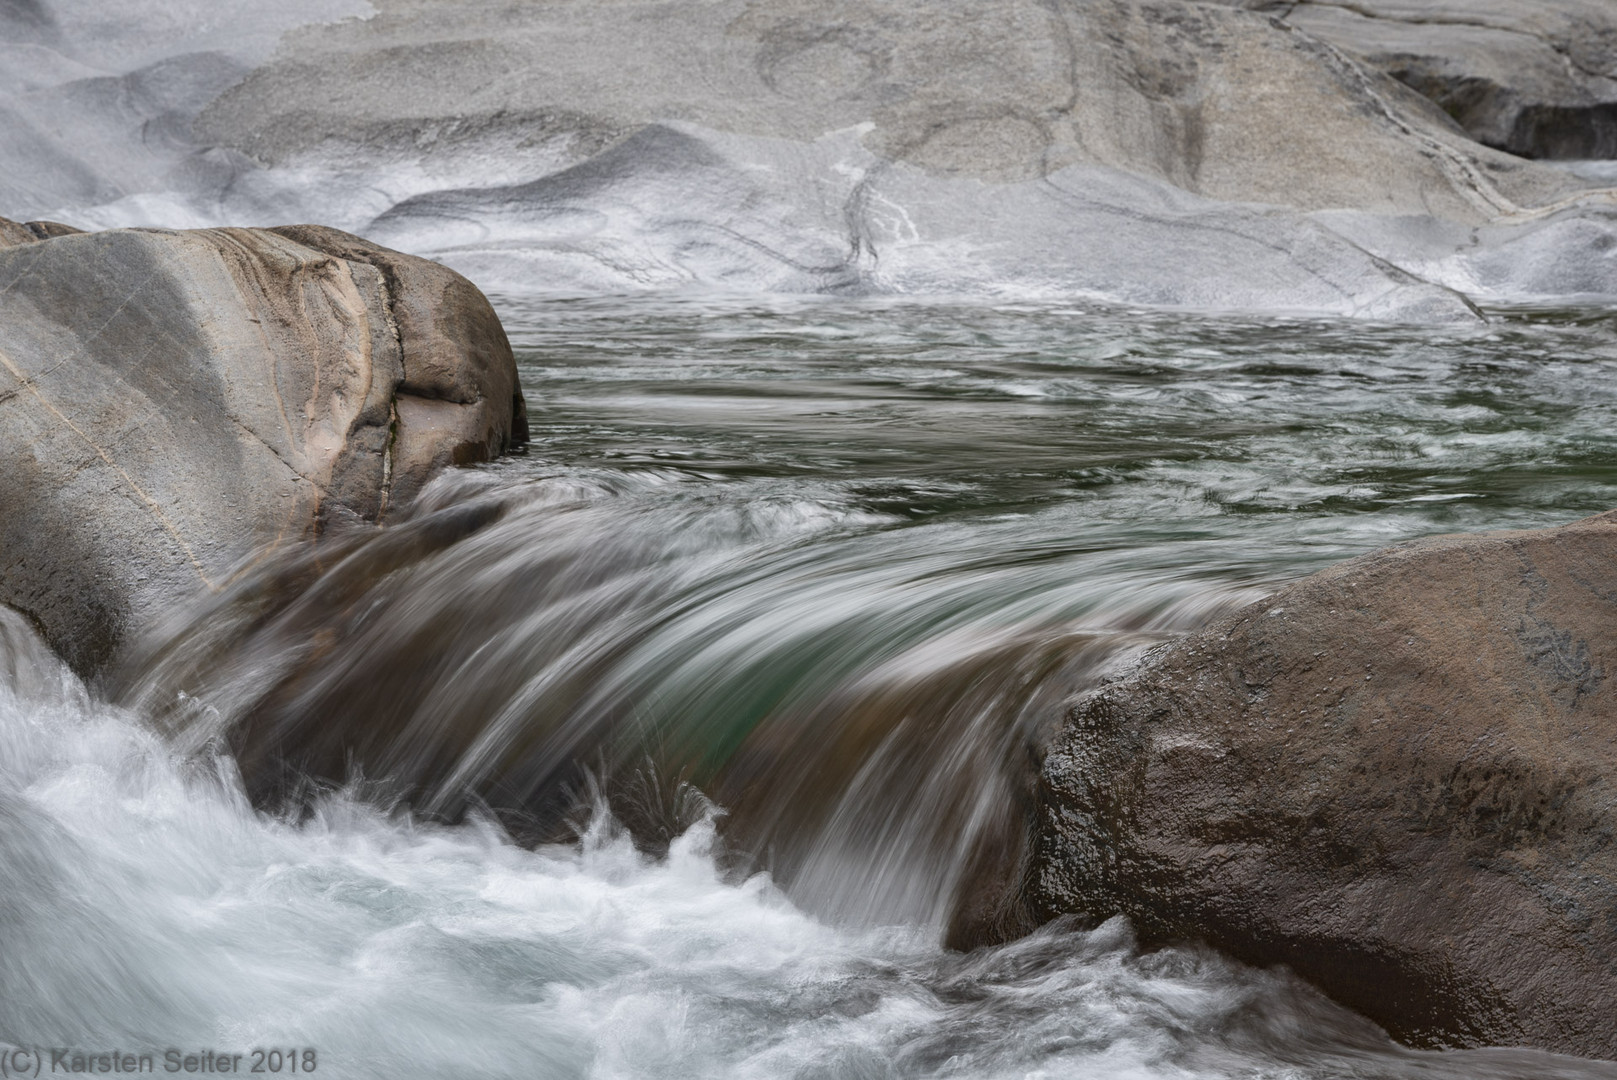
(171, 401)
(1398, 777)
(45, 230)
(13, 233)
(458, 371)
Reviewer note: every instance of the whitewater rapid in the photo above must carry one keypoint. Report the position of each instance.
(148, 909)
(860, 545)
(774, 518)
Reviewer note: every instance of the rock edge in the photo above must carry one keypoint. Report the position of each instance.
(172, 401)
(1397, 777)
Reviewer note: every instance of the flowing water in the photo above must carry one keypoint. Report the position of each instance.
(678, 746)
(689, 743)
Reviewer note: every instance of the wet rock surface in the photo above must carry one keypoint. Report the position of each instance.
(1156, 152)
(1395, 777)
(170, 401)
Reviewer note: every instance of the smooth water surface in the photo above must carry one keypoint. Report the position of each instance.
(1328, 435)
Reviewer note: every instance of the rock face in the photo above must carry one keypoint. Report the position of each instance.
(96, 99)
(170, 401)
(1153, 151)
(1398, 777)
(1536, 79)
(1248, 154)
(997, 91)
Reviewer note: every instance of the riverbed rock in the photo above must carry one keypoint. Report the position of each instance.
(1223, 103)
(1398, 777)
(1536, 79)
(1146, 151)
(172, 400)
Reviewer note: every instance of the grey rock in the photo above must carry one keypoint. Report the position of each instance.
(1145, 151)
(1099, 148)
(1537, 79)
(1396, 777)
(672, 206)
(171, 401)
(1226, 104)
(96, 100)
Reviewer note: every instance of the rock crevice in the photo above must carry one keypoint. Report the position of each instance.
(1536, 80)
(171, 401)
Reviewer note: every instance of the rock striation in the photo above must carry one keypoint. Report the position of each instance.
(1538, 79)
(1255, 155)
(1397, 777)
(1000, 91)
(1145, 151)
(171, 401)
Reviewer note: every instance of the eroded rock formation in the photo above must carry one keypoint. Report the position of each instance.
(1536, 79)
(170, 401)
(1000, 91)
(1152, 151)
(1396, 777)
(1176, 152)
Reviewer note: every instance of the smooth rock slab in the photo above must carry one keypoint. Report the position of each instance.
(171, 401)
(1398, 777)
(1136, 151)
(1230, 105)
(1537, 79)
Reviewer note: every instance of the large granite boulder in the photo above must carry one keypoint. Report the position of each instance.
(172, 401)
(1537, 79)
(1398, 777)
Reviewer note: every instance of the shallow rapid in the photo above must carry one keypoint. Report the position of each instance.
(711, 712)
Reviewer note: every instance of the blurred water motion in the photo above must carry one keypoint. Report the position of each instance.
(758, 644)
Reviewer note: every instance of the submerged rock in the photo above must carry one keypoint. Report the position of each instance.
(170, 401)
(1396, 777)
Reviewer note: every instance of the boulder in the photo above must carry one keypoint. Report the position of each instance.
(1538, 79)
(172, 401)
(1397, 777)
(17, 232)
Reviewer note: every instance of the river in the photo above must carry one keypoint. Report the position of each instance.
(691, 728)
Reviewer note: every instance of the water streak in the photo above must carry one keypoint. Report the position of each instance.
(792, 592)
